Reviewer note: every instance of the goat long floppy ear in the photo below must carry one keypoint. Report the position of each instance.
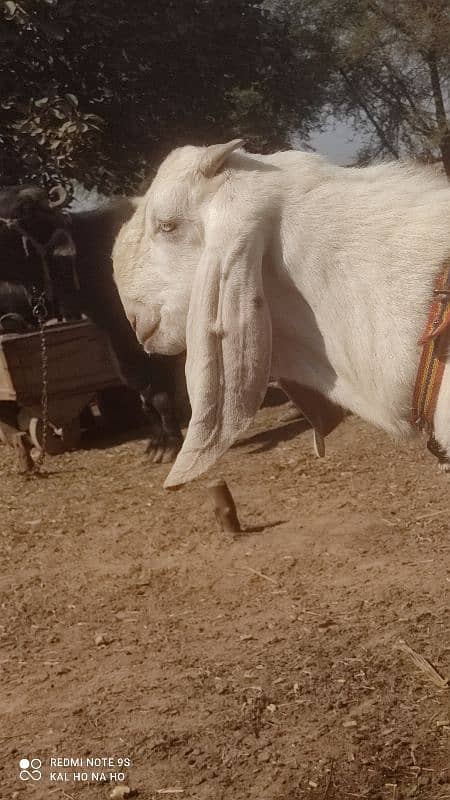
(229, 349)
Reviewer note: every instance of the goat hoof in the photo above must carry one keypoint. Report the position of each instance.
(318, 443)
(170, 453)
(163, 450)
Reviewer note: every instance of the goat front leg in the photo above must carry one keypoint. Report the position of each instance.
(165, 433)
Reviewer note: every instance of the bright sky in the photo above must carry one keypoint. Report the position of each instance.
(339, 142)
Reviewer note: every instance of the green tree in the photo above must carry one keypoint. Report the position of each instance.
(391, 70)
(101, 89)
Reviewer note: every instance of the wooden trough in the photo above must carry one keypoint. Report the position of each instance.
(80, 364)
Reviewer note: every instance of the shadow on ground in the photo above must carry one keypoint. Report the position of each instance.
(268, 439)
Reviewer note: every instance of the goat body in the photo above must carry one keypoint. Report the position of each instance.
(286, 266)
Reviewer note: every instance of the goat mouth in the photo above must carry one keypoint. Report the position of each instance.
(148, 335)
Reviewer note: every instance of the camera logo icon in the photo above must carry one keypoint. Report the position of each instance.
(30, 770)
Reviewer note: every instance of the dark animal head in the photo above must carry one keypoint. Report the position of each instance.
(25, 201)
(20, 202)
(36, 248)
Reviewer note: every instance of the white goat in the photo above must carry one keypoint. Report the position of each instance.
(286, 266)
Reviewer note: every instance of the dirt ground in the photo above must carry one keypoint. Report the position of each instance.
(264, 668)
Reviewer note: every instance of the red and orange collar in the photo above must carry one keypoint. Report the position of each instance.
(434, 341)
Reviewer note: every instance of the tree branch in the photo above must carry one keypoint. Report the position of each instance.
(441, 116)
(379, 130)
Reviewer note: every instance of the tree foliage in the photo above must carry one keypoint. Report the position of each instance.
(101, 89)
(391, 70)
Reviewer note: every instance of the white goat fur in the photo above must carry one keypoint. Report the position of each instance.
(291, 267)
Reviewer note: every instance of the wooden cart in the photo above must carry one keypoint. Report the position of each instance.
(80, 363)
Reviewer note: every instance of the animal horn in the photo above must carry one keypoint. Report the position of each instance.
(57, 196)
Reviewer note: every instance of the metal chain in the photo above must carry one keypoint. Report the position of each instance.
(40, 313)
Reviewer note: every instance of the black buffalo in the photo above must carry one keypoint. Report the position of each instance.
(65, 259)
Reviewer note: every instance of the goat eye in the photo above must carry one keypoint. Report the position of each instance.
(166, 227)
